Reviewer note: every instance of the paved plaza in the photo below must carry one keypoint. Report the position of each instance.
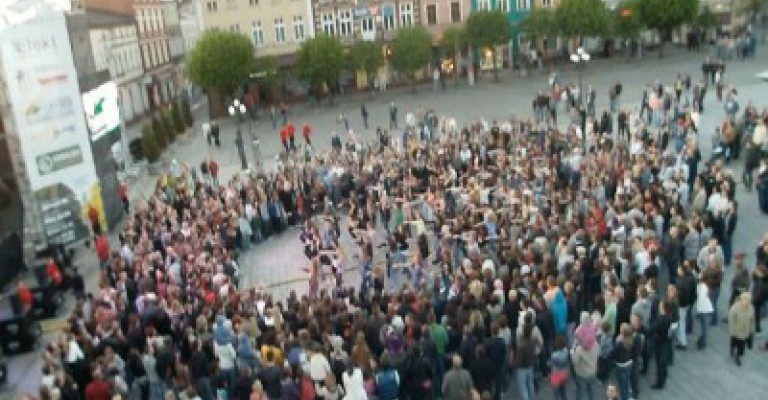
(277, 263)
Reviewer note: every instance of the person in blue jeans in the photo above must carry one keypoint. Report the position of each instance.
(560, 363)
(525, 357)
(704, 311)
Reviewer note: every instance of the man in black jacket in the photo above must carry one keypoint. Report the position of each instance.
(686, 296)
(660, 332)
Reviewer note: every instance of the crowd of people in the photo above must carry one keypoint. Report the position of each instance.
(493, 258)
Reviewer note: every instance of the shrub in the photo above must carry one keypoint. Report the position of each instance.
(149, 144)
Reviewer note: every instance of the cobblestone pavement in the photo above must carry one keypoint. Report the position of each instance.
(278, 263)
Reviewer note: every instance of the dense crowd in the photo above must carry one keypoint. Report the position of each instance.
(491, 256)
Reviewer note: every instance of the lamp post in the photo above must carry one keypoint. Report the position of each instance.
(581, 57)
(238, 109)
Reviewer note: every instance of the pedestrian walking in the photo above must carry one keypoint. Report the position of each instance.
(284, 112)
(364, 114)
(741, 326)
(307, 132)
(392, 116)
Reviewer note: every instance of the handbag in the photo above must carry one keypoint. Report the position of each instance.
(557, 378)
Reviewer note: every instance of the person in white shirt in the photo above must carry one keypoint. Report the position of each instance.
(319, 366)
(226, 355)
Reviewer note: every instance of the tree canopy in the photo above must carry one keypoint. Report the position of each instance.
(367, 56)
(411, 49)
(320, 60)
(453, 40)
(666, 15)
(626, 20)
(539, 23)
(222, 60)
(582, 18)
(488, 28)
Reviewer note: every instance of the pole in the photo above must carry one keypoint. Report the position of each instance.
(581, 96)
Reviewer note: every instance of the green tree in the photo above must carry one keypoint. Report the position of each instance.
(177, 119)
(149, 144)
(158, 132)
(578, 18)
(706, 18)
(667, 15)
(411, 50)
(452, 43)
(365, 55)
(626, 20)
(539, 23)
(221, 61)
(166, 121)
(488, 28)
(320, 61)
(267, 75)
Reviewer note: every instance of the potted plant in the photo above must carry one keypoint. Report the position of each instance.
(158, 133)
(176, 118)
(150, 148)
(168, 129)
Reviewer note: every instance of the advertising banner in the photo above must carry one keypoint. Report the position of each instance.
(101, 110)
(47, 109)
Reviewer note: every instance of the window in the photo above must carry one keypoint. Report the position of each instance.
(483, 4)
(455, 11)
(503, 5)
(389, 18)
(432, 14)
(213, 6)
(406, 14)
(366, 25)
(234, 28)
(329, 24)
(145, 56)
(345, 22)
(298, 28)
(279, 30)
(523, 5)
(546, 3)
(257, 33)
(253, 2)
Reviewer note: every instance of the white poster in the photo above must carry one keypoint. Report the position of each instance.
(101, 110)
(42, 87)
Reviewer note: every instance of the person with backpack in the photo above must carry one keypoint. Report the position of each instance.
(387, 380)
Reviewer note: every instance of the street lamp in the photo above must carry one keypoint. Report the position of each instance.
(581, 57)
(238, 109)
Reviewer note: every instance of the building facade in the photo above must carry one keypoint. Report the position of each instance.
(437, 15)
(350, 20)
(115, 43)
(161, 78)
(276, 27)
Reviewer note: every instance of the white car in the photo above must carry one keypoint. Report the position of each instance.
(763, 75)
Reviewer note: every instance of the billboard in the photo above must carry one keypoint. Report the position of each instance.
(102, 113)
(47, 110)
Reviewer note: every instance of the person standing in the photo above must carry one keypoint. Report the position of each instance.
(660, 333)
(686, 297)
(704, 310)
(560, 364)
(273, 115)
(741, 326)
(392, 116)
(307, 132)
(364, 114)
(584, 356)
(457, 384)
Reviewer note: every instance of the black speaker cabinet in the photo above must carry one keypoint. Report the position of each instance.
(20, 334)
